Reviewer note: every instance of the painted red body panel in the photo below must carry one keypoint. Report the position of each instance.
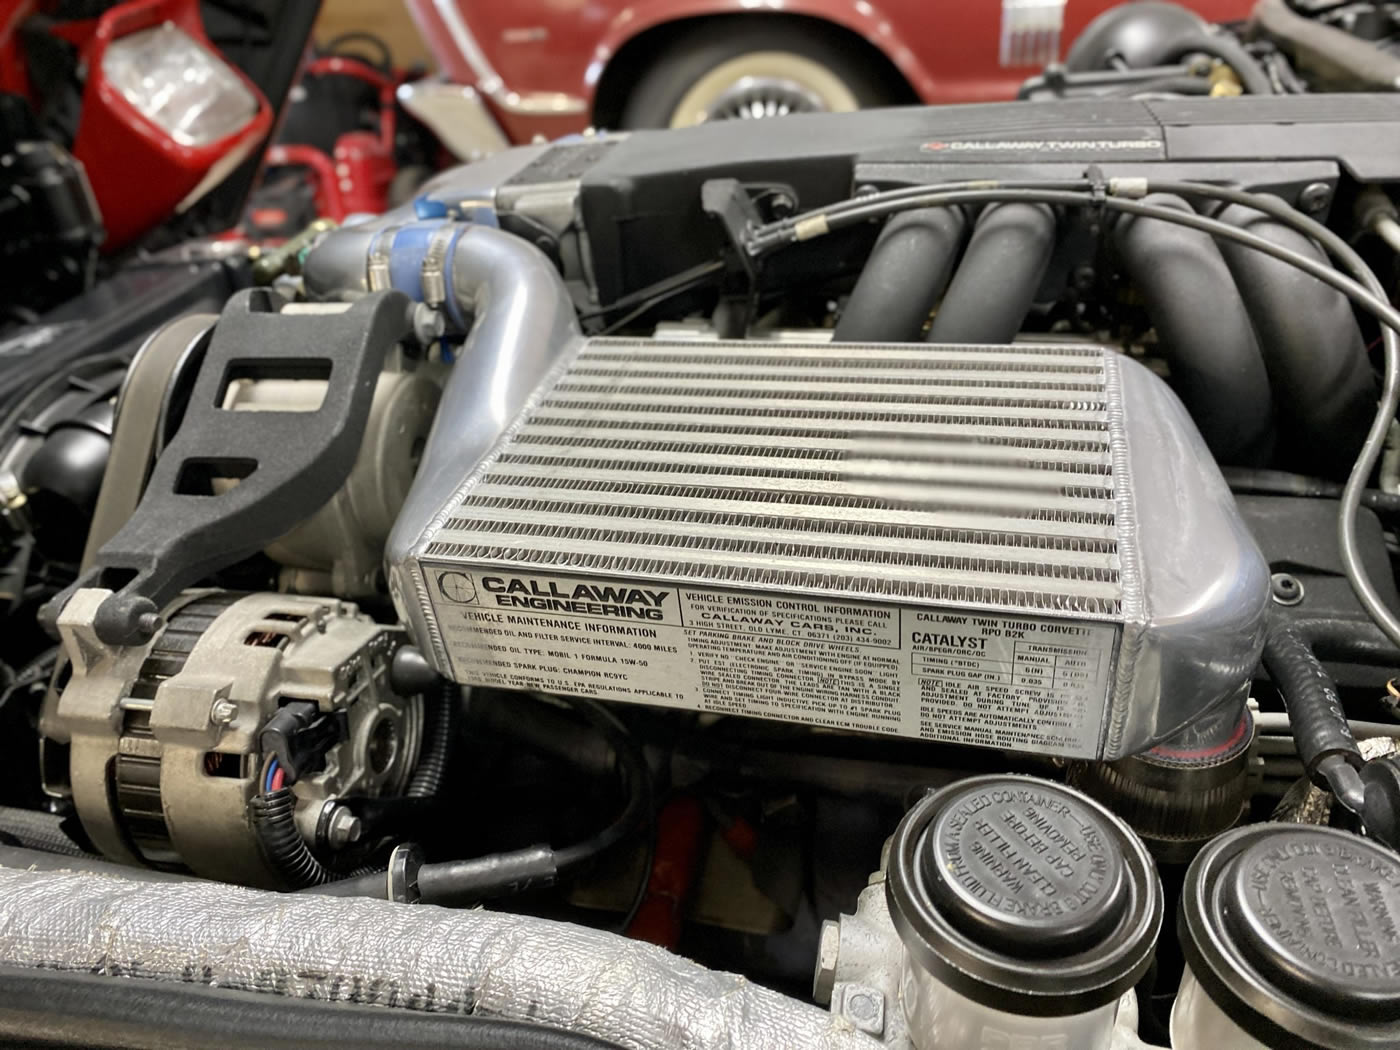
(13, 75)
(948, 50)
(138, 172)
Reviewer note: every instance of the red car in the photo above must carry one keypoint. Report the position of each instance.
(556, 66)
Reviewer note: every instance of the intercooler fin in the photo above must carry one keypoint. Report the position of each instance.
(976, 476)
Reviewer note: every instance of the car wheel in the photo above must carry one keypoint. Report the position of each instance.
(728, 72)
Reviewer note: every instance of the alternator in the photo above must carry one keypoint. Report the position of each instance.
(166, 743)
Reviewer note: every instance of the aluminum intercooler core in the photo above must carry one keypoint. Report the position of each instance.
(1025, 547)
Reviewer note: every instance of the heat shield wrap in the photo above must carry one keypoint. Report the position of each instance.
(393, 955)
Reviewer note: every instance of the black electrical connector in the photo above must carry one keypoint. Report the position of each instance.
(299, 736)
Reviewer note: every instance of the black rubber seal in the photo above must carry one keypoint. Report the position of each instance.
(61, 1008)
(1024, 895)
(1294, 933)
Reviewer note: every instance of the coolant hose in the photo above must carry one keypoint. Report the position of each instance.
(1320, 730)
(1203, 332)
(905, 276)
(998, 277)
(1323, 387)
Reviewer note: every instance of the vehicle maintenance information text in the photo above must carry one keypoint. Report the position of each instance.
(992, 679)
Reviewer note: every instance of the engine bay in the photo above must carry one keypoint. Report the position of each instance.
(651, 536)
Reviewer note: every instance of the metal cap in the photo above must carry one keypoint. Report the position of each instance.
(1024, 895)
(1294, 932)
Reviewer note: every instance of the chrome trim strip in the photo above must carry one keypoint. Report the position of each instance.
(489, 82)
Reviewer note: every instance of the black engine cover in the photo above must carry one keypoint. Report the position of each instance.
(641, 197)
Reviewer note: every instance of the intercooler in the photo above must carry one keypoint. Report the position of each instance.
(1025, 547)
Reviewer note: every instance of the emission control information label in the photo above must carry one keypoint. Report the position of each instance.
(992, 679)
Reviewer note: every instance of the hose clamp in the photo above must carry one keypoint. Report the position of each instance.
(434, 269)
(377, 275)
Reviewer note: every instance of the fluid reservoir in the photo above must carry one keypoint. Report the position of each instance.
(1026, 910)
(1291, 935)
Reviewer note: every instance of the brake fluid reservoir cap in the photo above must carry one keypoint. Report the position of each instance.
(1024, 895)
(1028, 868)
(1294, 930)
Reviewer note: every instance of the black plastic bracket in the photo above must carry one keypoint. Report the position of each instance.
(728, 202)
(229, 483)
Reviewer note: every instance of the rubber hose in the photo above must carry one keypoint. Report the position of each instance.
(1349, 641)
(1253, 481)
(1328, 55)
(1185, 84)
(1150, 34)
(998, 277)
(38, 831)
(83, 1009)
(462, 882)
(468, 881)
(1202, 331)
(273, 821)
(1230, 51)
(459, 883)
(441, 719)
(905, 276)
(636, 777)
(1315, 712)
(1323, 387)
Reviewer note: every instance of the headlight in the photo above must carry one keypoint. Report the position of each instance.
(179, 85)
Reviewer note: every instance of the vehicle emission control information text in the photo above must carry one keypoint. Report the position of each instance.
(994, 679)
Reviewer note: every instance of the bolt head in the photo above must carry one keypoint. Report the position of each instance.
(1286, 589)
(223, 712)
(864, 1007)
(1315, 197)
(343, 828)
(428, 324)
